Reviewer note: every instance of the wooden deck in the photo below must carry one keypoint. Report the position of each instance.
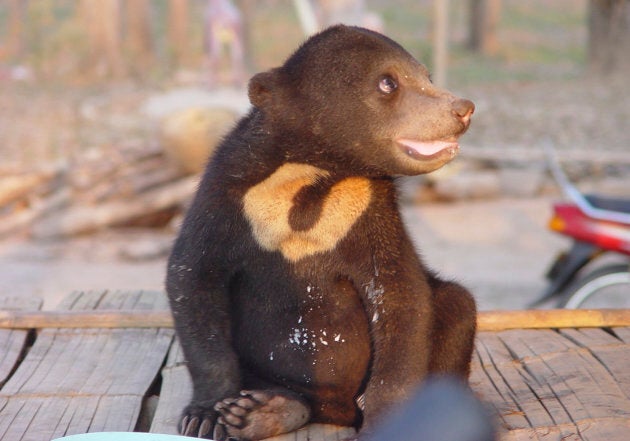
(546, 384)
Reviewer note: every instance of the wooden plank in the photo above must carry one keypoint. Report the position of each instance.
(545, 385)
(44, 418)
(557, 363)
(597, 430)
(175, 393)
(556, 433)
(527, 376)
(116, 413)
(77, 415)
(523, 343)
(19, 303)
(81, 301)
(13, 341)
(622, 333)
(317, 432)
(588, 337)
(609, 350)
(12, 344)
(481, 382)
(612, 429)
(579, 397)
(85, 380)
(15, 417)
(495, 361)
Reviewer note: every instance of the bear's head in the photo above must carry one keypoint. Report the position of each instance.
(360, 98)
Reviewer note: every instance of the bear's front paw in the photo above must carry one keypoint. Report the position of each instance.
(198, 420)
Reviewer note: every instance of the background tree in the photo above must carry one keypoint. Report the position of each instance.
(138, 35)
(609, 36)
(16, 13)
(102, 25)
(484, 18)
(178, 11)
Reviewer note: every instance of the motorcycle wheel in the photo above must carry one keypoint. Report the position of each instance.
(605, 287)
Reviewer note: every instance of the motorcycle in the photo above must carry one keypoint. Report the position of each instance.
(598, 226)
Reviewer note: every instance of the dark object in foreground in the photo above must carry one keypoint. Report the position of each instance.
(441, 410)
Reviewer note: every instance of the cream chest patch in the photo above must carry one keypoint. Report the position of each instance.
(267, 206)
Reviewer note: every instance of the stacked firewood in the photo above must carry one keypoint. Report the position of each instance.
(118, 185)
(109, 186)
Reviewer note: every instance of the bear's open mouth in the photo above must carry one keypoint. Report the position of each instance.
(426, 149)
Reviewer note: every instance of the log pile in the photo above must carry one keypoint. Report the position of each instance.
(113, 186)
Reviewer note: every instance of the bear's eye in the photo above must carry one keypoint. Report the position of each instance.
(387, 84)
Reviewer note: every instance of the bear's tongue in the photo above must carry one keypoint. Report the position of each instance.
(427, 148)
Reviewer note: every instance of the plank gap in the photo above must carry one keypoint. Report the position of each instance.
(27, 345)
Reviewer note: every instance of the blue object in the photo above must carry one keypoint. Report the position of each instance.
(443, 409)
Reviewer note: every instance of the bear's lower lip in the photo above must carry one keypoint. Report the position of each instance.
(427, 149)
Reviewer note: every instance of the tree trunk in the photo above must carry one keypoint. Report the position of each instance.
(178, 29)
(138, 34)
(484, 19)
(15, 29)
(609, 36)
(102, 27)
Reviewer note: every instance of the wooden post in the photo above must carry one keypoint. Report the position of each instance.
(552, 319)
(486, 320)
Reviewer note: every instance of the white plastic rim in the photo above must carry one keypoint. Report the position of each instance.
(123, 436)
(592, 286)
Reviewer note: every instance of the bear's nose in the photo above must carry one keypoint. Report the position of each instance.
(463, 109)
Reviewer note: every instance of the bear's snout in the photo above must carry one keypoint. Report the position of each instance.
(463, 109)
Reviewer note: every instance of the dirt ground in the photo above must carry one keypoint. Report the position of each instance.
(497, 247)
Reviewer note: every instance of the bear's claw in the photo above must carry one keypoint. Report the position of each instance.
(195, 426)
(198, 421)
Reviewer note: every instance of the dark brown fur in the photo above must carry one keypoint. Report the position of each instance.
(294, 286)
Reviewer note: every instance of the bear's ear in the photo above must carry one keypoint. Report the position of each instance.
(262, 87)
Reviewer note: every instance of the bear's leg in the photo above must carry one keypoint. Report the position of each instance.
(258, 414)
(455, 323)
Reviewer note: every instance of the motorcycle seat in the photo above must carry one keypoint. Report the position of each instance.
(608, 203)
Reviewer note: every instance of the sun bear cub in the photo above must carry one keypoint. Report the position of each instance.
(296, 291)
